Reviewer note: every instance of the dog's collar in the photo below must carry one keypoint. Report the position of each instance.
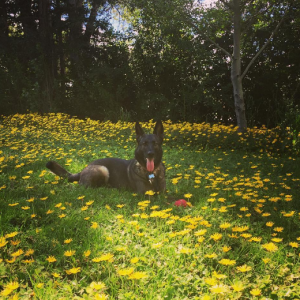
(150, 176)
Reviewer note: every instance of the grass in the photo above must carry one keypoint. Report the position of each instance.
(238, 239)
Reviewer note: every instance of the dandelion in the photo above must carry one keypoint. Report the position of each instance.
(125, 272)
(29, 252)
(105, 257)
(244, 268)
(294, 244)
(150, 193)
(225, 225)
(213, 255)
(69, 253)
(138, 275)
(97, 285)
(157, 245)
(226, 249)
(278, 229)
(68, 241)
(94, 225)
(10, 235)
(73, 271)
(255, 292)
(219, 289)
(211, 281)
(3, 242)
(216, 237)
(87, 253)
(238, 286)
(227, 262)
(17, 253)
(134, 260)
(185, 250)
(188, 196)
(51, 259)
(271, 247)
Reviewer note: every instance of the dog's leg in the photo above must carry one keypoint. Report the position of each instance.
(94, 176)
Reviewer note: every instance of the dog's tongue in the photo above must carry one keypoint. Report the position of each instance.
(150, 165)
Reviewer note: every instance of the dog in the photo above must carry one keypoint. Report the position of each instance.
(142, 173)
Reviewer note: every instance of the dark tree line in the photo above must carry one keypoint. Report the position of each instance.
(66, 56)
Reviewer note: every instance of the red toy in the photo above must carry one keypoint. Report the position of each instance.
(181, 202)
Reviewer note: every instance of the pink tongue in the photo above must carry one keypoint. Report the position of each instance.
(150, 165)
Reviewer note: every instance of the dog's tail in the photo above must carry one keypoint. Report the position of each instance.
(61, 172)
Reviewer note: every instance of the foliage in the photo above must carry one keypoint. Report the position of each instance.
(237, 238)
(78, 63)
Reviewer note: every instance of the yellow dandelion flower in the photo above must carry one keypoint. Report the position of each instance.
(105, 257)
(157, 245)
(51, 259)
(69, 253)
(185, 250)
(213, 255)
(188, 196)
(211, 281)
(150, 193)
(29, 252)
(244, 268)
(10, 235)
(125, 272)
(200, 232)
(87, 253)
(271, 247)
(3, 242)
(73, 271)
(227, 262)
(138, 275)
(294, 244)
(238, 286)
(17, 253)
(255, 292)
(278, 229)
(68, 241)
(216, 236)
(225, 225)
(13, 285)
(94, 225)
(97, 285)
(226, 249)
(134, 260)
(219, 289)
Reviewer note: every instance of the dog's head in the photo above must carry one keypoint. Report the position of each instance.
(149, 151)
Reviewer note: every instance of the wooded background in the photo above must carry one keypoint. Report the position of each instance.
(138, 59)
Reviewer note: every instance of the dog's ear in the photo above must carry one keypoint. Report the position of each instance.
(159, 130)
(139, 131)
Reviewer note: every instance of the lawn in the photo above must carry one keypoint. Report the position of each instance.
(238, 238)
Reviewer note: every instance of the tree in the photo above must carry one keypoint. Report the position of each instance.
(233, 17)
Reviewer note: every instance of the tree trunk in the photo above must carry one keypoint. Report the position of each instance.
(47, 55)
(236, 76)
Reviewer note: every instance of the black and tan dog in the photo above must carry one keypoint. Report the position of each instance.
(143, 173)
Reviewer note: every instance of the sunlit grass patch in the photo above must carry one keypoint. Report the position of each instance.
(238, 237)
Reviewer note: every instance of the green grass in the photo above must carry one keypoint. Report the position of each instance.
(239, 239)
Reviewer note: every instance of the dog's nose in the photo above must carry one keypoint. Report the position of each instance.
(150, 154)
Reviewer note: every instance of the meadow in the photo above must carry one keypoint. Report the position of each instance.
(238, 238)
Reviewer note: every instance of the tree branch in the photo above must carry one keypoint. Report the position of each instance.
(264, 46)
(227, 4)
(187, 20)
